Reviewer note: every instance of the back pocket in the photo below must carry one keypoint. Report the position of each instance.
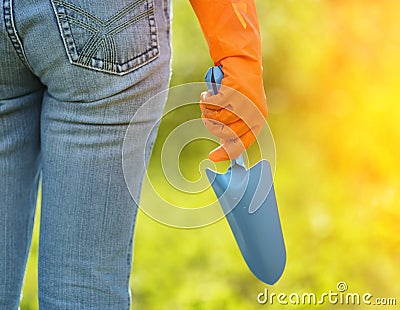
(116, 36)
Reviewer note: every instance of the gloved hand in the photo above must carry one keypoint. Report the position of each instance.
(237, 113)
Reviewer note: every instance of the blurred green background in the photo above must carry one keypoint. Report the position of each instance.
(333, 87)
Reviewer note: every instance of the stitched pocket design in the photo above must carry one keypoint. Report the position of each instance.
(108, 36)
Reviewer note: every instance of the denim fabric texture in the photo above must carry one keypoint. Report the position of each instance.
(72, 75)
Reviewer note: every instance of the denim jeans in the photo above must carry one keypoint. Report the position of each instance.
(72, 75)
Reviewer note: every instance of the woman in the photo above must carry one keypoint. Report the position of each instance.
(73, 74)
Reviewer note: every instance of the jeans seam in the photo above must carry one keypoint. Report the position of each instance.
(166, 5)
(13, 33)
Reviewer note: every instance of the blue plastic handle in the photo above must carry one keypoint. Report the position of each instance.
(214, 78)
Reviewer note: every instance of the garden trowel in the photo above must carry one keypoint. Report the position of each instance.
(247, 198)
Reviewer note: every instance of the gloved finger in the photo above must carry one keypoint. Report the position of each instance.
(229, 105)
(231, 131)
(223, 99)
(222, 115)
(227, 151)
(225, 106)
(206, 101)
(231, 149)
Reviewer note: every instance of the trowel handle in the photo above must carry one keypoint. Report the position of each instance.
(213, 80)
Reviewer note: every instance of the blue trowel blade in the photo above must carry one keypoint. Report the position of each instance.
(247, 197)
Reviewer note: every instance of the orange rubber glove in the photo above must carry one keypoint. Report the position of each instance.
(237, 113)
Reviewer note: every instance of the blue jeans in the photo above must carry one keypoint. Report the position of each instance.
(72, 75)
